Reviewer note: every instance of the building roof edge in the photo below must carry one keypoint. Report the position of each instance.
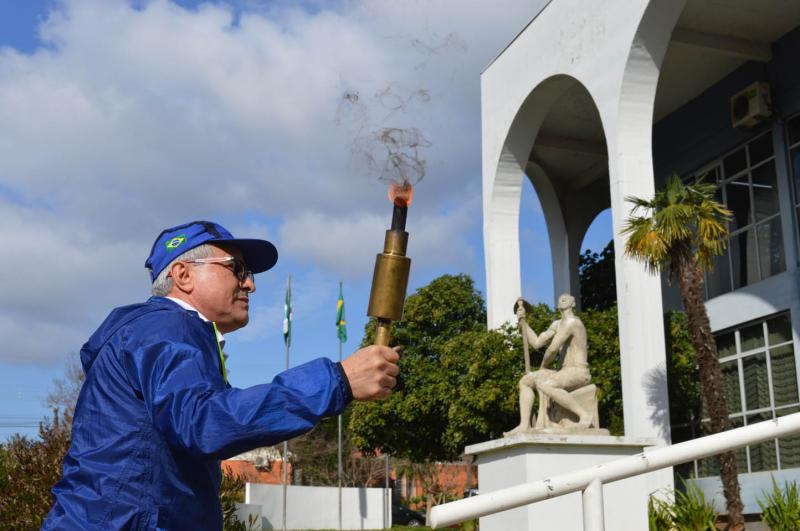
(520, 32)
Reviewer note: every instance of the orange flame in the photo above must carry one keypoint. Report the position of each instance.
(401, 194)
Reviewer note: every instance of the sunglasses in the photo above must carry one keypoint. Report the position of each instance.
(239, 268)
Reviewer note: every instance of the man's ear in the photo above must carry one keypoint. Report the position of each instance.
(182, 277)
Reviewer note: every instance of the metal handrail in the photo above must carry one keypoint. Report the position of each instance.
(653, 458)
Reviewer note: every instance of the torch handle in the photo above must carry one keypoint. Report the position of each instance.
(383, 333)
(525, 350)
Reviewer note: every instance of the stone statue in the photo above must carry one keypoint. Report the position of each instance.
(567, 400)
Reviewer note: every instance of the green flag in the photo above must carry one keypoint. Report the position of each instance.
(341, 328)
(287, 315)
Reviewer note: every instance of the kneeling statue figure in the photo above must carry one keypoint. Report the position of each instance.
(569, 387)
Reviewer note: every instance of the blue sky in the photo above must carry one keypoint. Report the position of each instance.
(119, 118)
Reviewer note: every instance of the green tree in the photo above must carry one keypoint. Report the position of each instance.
(412, 422)
(602, 334)
(597, 277)
(682, 376)
(478, 372)
(461, 380)
(679, 232)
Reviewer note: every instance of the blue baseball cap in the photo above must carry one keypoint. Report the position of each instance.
(260, 255)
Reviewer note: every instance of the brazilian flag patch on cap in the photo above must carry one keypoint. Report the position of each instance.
(174, 243)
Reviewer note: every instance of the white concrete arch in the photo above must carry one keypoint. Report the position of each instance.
(590, 218)
(501, 218)
(571, 194)
(570, 40)
(614, 49)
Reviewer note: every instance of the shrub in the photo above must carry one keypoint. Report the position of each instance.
(28, 469)
(780, 509)
(231, 492)
(658, 514)
(689, 512)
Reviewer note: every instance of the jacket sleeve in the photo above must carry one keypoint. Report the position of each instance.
(210, 419)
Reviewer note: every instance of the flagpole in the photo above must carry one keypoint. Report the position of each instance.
(340, 426)
(287, 339)
(341, 336)
(340, 454)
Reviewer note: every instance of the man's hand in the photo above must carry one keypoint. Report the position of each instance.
(372, 371)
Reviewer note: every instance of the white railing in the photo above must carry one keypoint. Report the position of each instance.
(591, 480)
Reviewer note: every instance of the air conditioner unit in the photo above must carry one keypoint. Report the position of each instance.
(751, 106)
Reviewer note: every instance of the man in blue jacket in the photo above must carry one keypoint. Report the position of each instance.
(156, 413)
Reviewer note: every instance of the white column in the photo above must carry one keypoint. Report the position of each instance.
(641, 320)
(641, 325)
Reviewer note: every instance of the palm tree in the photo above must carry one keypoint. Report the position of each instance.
(679, 231)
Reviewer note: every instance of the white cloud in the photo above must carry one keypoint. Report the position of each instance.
(57, 278)
(346, 246)
(132, 119)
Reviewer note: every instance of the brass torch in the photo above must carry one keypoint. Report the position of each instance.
(390, 279)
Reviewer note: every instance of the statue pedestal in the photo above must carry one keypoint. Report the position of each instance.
(523, 458)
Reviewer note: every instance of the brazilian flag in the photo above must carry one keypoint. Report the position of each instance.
(287, 313)
(341, 328)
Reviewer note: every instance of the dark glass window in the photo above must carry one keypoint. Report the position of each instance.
(751, 337)
(770, 247)
(793, 132)
(748, 186)
(765, 191)
(760, 149)
(726, 344)
(795, 156)
(759, 376)
(756, 384)
(735, 163)
(780, 329)
(738, 200)
(719, 280)
(784, 376)
(743, 258)
(793, 128)
(730, 377)
(789, 447)
(763, 456)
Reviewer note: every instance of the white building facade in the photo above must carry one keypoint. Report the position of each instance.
(597, 101)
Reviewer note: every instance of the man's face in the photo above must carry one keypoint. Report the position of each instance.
(219, 294)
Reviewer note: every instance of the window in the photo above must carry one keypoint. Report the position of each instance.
(793, 135)
(760, 382)
(748, 186)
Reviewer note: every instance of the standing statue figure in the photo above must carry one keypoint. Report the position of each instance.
(569, 386)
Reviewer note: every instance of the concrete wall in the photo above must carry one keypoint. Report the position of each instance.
(317, 507)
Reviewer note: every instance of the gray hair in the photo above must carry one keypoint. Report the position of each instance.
(163, 282)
